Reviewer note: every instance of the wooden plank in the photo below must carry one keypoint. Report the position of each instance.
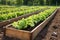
(42, 25)
(20, 34)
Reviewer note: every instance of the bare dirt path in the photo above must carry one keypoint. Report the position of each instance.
(52, 30)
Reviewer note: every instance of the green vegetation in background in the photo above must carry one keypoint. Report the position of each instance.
(30, 2)
(7, 13)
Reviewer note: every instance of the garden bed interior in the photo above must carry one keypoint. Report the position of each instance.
(27, 35)
(6, 22)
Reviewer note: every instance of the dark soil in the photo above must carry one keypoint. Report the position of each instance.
(54, 28)
(29, 28)
(50, 32)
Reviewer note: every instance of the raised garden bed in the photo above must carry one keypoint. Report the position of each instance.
(6, 22)
(27, 35)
